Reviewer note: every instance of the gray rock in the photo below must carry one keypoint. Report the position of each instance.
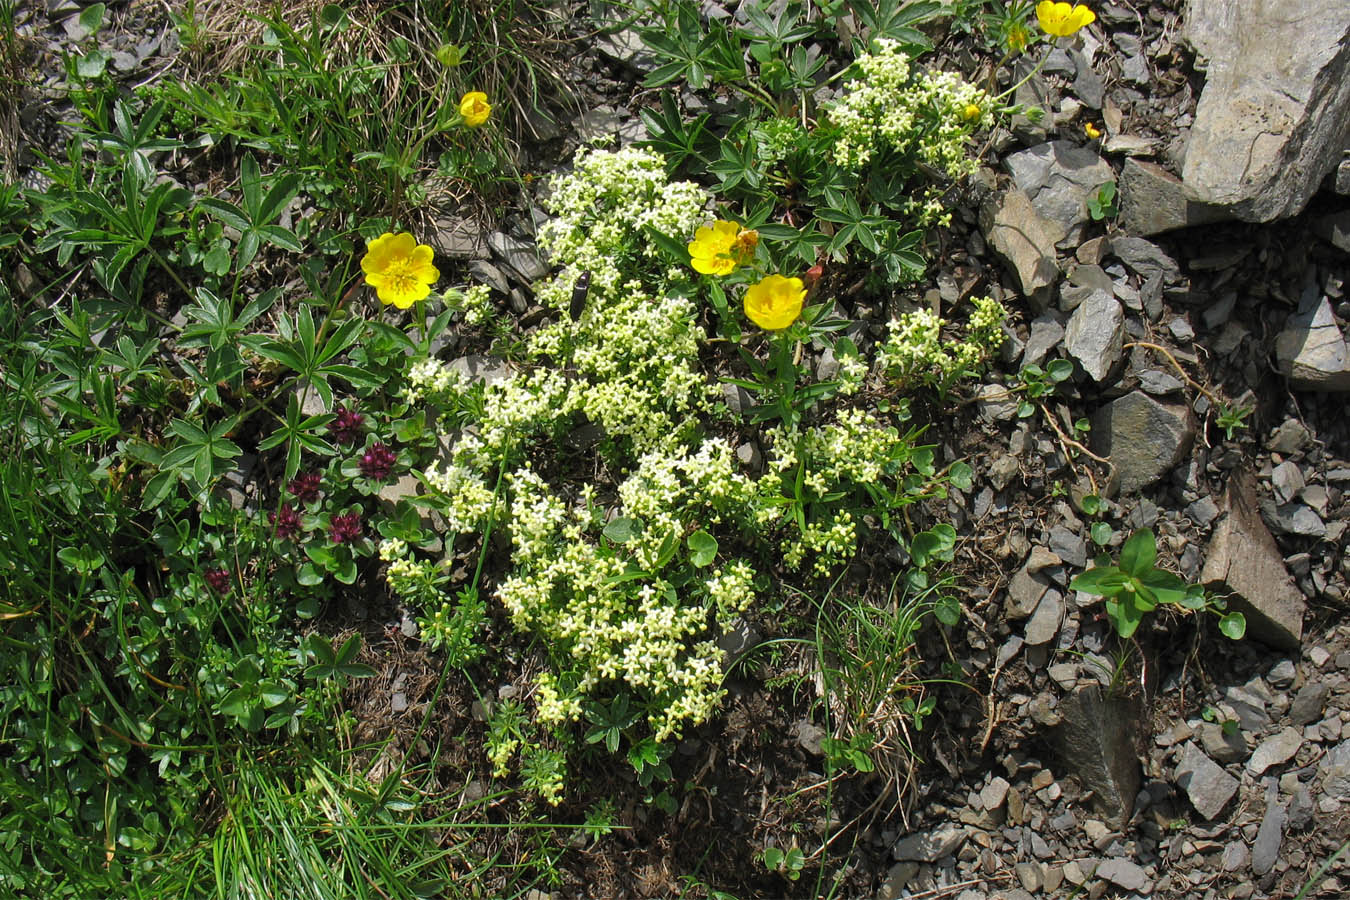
(1059, 177)
(485, 272)
(1299, 814)
(930, 846)
(1287, 480)
(1069, 546)
(1145, 258)
(1311, 350)
(1126, 874)
(626, 48)
(1291, 437)
(520, 257)
(1045, 621)
(1308, 703)
(1095, 335)
(1152, 201)
(1030, 875)
(1274, 112)
(1203, 511)
(994, 793)
(1335, 229)
(810, 736)
(1207, 785)
(1342, 182)
(1235, 856)
(1266, 847)
(1024, 240)
(1282, 674)
(1243, 563)
(1222, 746)
(1293, 518)
(1274, 750)
(1335, 771)
(597, 124)
(1144, 438)
(1096, 742)
(484, 369)
(996, 403)
(459, 237)
(1159, 383)
(1044, 335)
(1025, 591)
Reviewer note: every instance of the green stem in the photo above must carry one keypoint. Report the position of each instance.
(1032, 74)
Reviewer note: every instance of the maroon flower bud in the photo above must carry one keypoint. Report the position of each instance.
(287, 522)
(305, 486)
(219, 579)
(377, 462)
(344, 528)
(346, 427)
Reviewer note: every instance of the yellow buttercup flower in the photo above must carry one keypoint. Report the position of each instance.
(1092, 131)
(1063, 19)
(776, 302)
(714, 251)
(399, 269)
(971, 112)
(474, 108)
(1018, 37)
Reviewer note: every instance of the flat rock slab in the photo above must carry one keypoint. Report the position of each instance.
(1123, 873)
(1095, 334)
(1153, 200)
(1273, 115)
(1207, 785)
(1311, 350)
(1024, 240)
(1274, 750)
(1059, 177)
(1144, 438)
(930, 846)
(1096, 744)
(1243, 563)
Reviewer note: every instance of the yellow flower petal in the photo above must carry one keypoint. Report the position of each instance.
(775, 302)
(1063, 19)
(474, 108)
(399, 268)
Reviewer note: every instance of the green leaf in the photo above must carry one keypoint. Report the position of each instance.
(1106, 581)
(1101, 533)
(947, 609)
(1091, 504)
(92, 64)
(623, 529)
(1233, 625)
(1139, 552)
(702, 548)
(92, 17)
(961, 476)
(1058, 370)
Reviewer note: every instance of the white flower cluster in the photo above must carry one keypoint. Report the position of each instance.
(467, 498)
(602, 209)
(829, 542)
(915, 350)
(432, 378)
(638, 631)
(476, 305)
(920, 113)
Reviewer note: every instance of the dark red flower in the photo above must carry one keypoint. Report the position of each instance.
(305, 486)
(344, 528)
(377, 462)
(219, 579)
(287, 522)
(346, 427)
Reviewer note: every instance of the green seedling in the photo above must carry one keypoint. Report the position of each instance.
(1102, 205)
(1134, 586)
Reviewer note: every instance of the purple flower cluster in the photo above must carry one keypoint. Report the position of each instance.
(344, 528)
(287, 521)
(377, 462)
(219, 579)
(305, 486)
(346, 426)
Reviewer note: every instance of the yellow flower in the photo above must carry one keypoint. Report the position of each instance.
(971, 112)
(399, 269)
(474, 108)
(775, 302)
(1017, 38)
(1062, 19)
(714, 251)
(1092, 131)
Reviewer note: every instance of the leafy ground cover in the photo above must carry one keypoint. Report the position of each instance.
(330, 569)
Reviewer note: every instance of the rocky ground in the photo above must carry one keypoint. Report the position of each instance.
(1180, 765)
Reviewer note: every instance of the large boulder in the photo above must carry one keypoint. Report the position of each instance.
(1275, 110)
